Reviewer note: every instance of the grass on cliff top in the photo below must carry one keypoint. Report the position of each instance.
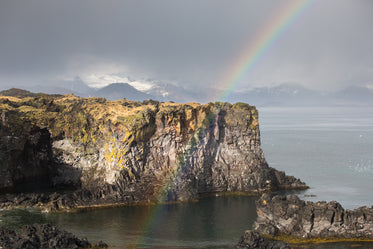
(16, 92)
(81, 119)
(86, 119)
(100, 108)
(297, 240)
(10, 98)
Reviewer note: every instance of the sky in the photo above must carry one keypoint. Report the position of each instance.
(190, 43)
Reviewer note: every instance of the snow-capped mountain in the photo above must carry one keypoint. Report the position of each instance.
(122, 90)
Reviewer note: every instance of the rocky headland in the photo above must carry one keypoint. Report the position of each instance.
(43, 236)
(294, 220)
(66, 152)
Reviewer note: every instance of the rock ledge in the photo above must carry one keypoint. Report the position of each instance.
(255, 240)
(281, 216)
(43, 236)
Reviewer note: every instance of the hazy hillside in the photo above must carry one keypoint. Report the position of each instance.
(355, 95)
(279, 95)
(79, 88)
(297, 95)
(122, 90)
(284, 94)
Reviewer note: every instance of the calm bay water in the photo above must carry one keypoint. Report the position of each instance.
(330, 149)
(215, 222)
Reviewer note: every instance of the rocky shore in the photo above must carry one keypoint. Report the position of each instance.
(253, 240)
(69, 152)
(288, 219)
(43, 236)
(293, 219)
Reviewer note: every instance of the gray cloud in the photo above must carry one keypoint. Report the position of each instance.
(186, 42)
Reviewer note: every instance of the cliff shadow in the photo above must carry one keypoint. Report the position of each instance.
(32, 166)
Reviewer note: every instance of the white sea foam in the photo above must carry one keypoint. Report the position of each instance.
(362, 166)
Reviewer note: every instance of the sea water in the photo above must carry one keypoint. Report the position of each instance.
(209, 223)
(328, 148)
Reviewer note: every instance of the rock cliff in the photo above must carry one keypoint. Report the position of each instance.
(295, 219)
(113, 152)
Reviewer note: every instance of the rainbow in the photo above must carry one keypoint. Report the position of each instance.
(261, 45)
(250, 57)
(163, 191)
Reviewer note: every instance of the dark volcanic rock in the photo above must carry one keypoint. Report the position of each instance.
(26, 159)
(294, 217)
(122, 152)
(43, 236)
(47, 201)
(253, 240)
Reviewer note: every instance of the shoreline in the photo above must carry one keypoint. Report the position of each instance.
(24, 201)
(290, 240)
(291, 220)
(293, 240)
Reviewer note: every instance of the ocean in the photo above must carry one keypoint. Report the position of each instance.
(331, 149)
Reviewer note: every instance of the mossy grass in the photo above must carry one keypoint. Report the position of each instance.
(96, 123)
(315, 240)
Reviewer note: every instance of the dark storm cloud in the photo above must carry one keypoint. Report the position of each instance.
(187, 42)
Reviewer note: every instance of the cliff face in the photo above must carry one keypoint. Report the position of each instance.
(25, 161)
(124, 151)
(290, 216)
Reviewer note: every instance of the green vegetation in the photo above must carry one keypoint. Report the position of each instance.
(297, 240)
(81, 120)
(15, 92)
(240, 105)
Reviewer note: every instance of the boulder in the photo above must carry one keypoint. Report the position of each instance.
(43, 236)
(253, 240)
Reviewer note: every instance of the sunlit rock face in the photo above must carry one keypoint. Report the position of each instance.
(290, 216)
(130, 152)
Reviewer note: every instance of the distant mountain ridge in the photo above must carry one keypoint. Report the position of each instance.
(284, 94)
(122, 90)
(297, 95)
(279, 95)
(355, 94)
(79, 88)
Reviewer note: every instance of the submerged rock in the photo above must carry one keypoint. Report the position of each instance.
(253, 240)
(43, 236)
(290, 216)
